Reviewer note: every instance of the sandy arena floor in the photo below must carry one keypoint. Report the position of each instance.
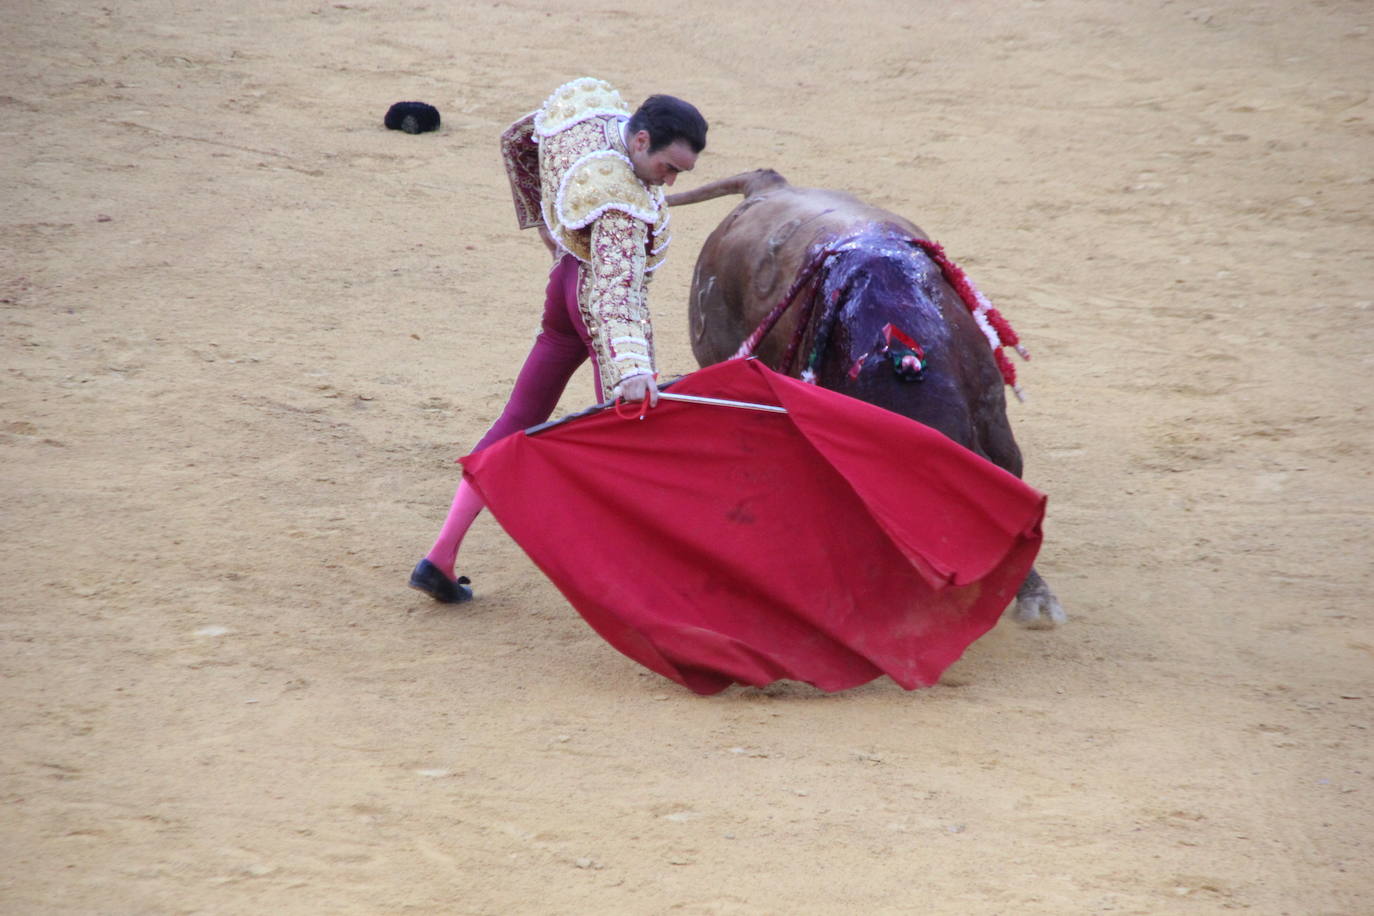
(246, 330)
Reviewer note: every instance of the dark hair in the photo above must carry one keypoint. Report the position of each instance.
(669, 119)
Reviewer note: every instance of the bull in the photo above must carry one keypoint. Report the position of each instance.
(819, 284)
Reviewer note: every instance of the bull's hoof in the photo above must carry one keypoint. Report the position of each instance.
(1038, 610)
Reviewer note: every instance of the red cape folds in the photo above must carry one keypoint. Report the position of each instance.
(832, 545)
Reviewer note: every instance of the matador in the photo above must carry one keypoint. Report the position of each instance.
(589, 175)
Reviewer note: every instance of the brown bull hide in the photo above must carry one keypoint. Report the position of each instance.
(869, 275)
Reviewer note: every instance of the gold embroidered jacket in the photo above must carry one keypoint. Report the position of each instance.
(570, 170)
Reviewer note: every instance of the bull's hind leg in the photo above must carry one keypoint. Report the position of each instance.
(1036, 607)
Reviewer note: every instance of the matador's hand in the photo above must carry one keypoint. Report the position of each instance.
(637, 388)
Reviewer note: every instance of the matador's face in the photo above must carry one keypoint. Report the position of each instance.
(662, 166)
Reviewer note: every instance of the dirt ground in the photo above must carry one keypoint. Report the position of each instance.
(246, 331)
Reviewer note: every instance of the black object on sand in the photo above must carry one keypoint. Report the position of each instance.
(412, 117)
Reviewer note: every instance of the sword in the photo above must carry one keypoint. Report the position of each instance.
(665, 395)
(720, 402)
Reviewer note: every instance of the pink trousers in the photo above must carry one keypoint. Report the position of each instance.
(562, 345)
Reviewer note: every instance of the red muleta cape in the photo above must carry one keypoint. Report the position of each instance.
(833, 544)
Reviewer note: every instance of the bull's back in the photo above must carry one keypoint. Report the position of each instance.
(749, 262)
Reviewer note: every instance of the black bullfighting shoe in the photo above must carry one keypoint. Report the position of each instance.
(427, 578)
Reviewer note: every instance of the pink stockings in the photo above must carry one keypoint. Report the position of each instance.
(563, 344)
(466, 505)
